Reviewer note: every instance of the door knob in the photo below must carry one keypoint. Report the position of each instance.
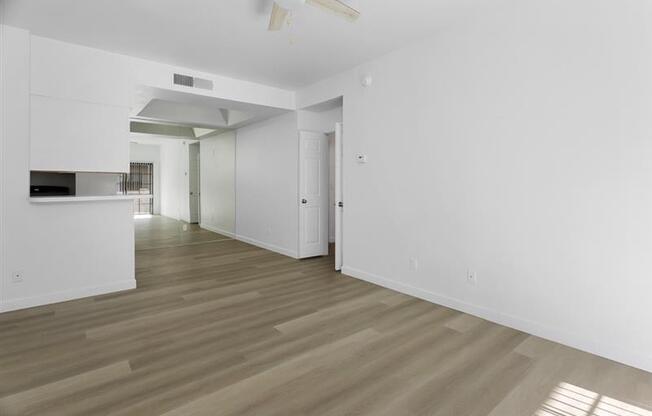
(304, 201)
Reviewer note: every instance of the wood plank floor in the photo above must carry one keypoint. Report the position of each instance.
(161, 232)
(219, 327)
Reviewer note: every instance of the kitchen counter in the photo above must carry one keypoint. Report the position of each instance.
(64, 199)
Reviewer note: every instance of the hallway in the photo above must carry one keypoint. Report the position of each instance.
(220, 327)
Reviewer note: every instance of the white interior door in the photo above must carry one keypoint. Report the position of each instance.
(313, 194)
(339, 203)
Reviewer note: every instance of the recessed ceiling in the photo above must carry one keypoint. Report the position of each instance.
(141, 129)
(230, 37)
(188, 109)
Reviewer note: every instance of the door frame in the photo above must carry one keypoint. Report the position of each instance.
(339, 195)
(338, 137)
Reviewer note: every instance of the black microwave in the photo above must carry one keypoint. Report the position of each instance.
(50, 190)
(52, 184)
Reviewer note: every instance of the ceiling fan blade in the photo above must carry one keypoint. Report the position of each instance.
(277, 18)
(337, 7)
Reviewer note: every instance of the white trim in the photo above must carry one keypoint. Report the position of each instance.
(572, 339)
(267, 246)
(217, 230)
(3, 152)
(56, 297)
(235, 183)
(298, 190)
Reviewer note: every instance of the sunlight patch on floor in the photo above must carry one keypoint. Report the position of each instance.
(570, 400)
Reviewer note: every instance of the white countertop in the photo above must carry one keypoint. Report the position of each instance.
(62, 199)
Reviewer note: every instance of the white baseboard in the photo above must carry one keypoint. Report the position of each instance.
(217, 230)
(47, 299)
(267, 246)
(609, 351)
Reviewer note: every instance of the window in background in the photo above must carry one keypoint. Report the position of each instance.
(140, 182)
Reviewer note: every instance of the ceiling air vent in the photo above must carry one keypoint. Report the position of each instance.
(188, 81)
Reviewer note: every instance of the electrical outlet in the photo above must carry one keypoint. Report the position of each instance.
(17, 277)
(472, 278)
(414, 264)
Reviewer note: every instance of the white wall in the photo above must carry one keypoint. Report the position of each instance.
(79, 113)
(94, 184)
(267, 184)
(320, 121)
(217, 157)
(516, 145)
(149, 153)
(5, 94)
(170, 161)
(63, 251)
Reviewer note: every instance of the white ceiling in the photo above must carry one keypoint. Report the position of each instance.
(230, 37)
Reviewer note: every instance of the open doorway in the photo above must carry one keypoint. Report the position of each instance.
(186, 214)
(332, 203)
(321, 123)
(335, 199)
(320, 194)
